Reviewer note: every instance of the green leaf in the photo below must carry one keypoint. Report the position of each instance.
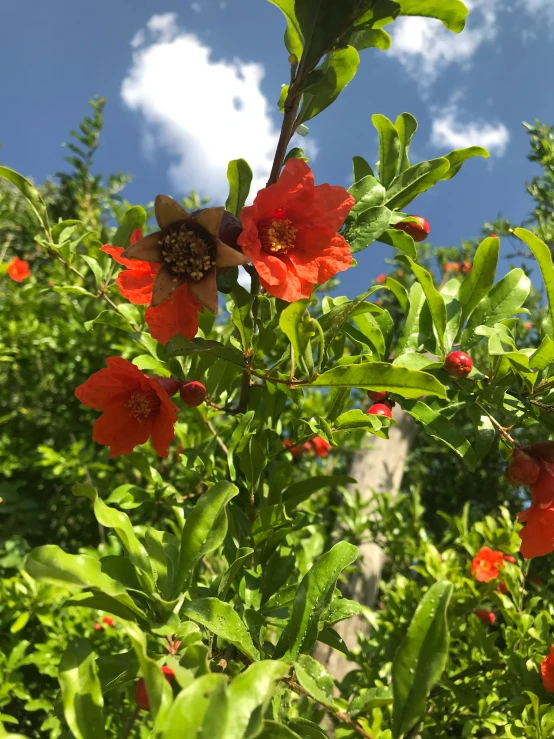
(358, 420)
(312, 597)
(406, 125)
(382, 376)
(238, 436)
(368, 226)
(81, 692)
(295, 323)
(239, 176)
(420, 659)
(367, 192)
(367, 37)
(229, 577)
(399, 292)
(120, 522)
(275, 730)
(459, 156)
(72, 290)
(505, 299)
(452, 13)
(361, 169)
(186, 716)
(252, 463)
(479, 281)
(399, 240)
(369, 698)
(181, 347)
(485, 433)
(339, 68)
(543, 256)
(415, 180)
(389, 148)
(222, 619)
(30, 193)
(197, 528)
(435, 301)
(242, 316)
(134, 218)
(409, 340)
(314, 678)
(300, 491)
(249, 695)
(544, 355)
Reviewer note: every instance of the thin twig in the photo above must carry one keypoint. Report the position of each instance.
(501, 430)
(217, 437)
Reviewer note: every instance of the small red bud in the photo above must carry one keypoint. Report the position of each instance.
(493, 236)
(509, 558)
(141, 695)
(380, 409)
(169, 384)
(486, 617)
(523, 469)
(458, 364)
(419, 231)
(378, 397)
(108, 620)
(97, 627)
(193, 393)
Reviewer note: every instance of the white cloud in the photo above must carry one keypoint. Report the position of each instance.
(451, 132)
(539, 9)
(201, 111)
(196, 7)
(426, 48)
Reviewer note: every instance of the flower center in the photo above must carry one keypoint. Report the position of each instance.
(277, 235)
(143, 403)
(187, 253)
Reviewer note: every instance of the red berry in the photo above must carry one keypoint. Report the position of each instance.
(108, 620)
(419, 230)
(486, 617)
(523, 469)
(458, 364)
(380, 409)
(193, 393)
(167, 383)
(141, 695)
(509, 558)
(376, 396)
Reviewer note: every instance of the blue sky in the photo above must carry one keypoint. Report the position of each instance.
(191, 85)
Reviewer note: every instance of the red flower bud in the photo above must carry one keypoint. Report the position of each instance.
(108, 620)
(523, 469)
(193, 393)
(509, 558)
(97, 627)
(487, 617)
(419, 231)
(141, 696)
(376, 396)
(458, 364)
(380, 279)
(169, 384)
(380, 409)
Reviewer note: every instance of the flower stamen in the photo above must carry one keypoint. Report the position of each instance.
(278, 235)
(143, 403)
(186, 252)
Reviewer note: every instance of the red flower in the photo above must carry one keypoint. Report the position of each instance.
(176, 315)
(509, 558)
(98, 627)
(297, 451)
(465, 266)
(547, 671)
(18, 269)
(108, 620)
(452, 267)
(141, 695)
(487, 617)
(134, 407)
(380, 279)
(486, 564)
(320, 446)
(290, 233)
(528, 326)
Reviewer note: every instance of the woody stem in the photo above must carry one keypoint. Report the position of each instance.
(292, 103)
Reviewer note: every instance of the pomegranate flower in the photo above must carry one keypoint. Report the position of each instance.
(320, 446)
(486, 564)
(547, 671)
(290, 233)
(487, 617)
(18, 269)
(189, 250)
(134, 407)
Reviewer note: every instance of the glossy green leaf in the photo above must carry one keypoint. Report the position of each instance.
(368, 227)
(239, 176)
(221, 618)
(312, 597)
(163, 550)
(252, 463)
(240, 434)
(300, 491)
(368, 193)
(409, 340)
(188, 712)
(242, 316)
(275, 730)
(452, 13)
(502, 301)
(294, 322)
(181, 347)
(544, 356)
(314, 678)
(543, 255)
(339, 69)
(134, 218)
(360, 169)
(243, 554)
(459, 156)
(415, 180)
(369, 698)
(367, 37)
(109, 318)
(420, 659)
(358, 420)
(249, 695)
(406, 125)
(435, 301)
(399, 240)
(81, 692)
(389, 148)
(30, 193)
(382, 376)
(399, 292)
(485, 433)
(197, 529)
(479, 281)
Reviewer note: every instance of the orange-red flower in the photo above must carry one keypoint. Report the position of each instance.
(487, 617)
(134, 407)
(486, 564)
(547, 671)
(290, 233)
(18, 269)
(465, 267)
(320, 446)
(452, 267)
(176, 315)
(380, 279)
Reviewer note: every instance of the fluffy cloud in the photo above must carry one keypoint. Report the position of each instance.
(426, 48)
(451, 132)
(201, 111)
(539, 9)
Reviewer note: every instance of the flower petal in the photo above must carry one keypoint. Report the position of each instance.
(136, 284)
(537, 537)
(294, 190)
(291, 288)
(210, 220)
(205, 291)
(148, 249)
(165, 286)
(110, 385)
(225, 256)
(176, 315)
(117, 429)
(169, 211)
